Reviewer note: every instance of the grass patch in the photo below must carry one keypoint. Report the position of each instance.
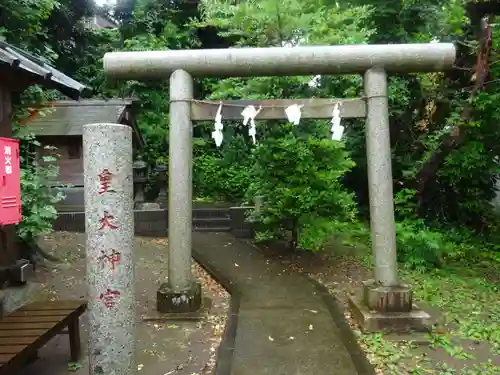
(470, 304)
(467, 338)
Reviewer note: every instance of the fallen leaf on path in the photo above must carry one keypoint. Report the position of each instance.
(73, 366)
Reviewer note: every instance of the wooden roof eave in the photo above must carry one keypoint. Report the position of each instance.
(133, 123)
(39, 72)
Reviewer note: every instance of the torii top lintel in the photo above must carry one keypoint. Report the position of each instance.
(277, 61)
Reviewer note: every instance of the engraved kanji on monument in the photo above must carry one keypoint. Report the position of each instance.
(109, 223)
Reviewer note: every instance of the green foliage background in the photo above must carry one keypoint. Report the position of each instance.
(318, 186)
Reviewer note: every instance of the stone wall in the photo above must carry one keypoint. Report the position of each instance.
(154, 223)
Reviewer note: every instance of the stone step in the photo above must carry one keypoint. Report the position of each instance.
(212, 224)
(208, 213)
(220, 222)
(212, 229)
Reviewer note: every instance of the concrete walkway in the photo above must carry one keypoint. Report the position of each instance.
(281, 323)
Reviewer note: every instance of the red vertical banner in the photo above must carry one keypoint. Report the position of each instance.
(10, 182)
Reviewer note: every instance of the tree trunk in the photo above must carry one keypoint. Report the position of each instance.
(295, 235)
(457, 133)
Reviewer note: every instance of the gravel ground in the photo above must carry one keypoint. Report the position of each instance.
(171, 348)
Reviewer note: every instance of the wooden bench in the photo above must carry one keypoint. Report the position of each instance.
(25, 331)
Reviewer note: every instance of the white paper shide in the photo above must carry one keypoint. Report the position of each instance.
(249, 114)
(293, 113)
(336, 129)
(217, 133)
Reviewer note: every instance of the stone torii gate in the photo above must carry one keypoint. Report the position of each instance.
(384, 294)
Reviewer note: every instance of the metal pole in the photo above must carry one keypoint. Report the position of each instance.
(109, 225)
(180, 202)
(378, 148)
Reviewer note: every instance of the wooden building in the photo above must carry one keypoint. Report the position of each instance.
(60, 125)
(100, 22)
(18, 71)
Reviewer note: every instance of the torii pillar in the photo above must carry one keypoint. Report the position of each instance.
(385, 303)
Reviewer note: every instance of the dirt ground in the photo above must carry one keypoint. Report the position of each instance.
(466, 340)
(171, 348)
(467, 337)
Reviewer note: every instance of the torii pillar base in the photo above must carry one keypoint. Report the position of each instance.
(175, 301)
(379, 308)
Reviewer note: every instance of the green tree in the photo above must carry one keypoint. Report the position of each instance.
(49, 29)
(293, 153)
(299, 177)
(423, 107)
